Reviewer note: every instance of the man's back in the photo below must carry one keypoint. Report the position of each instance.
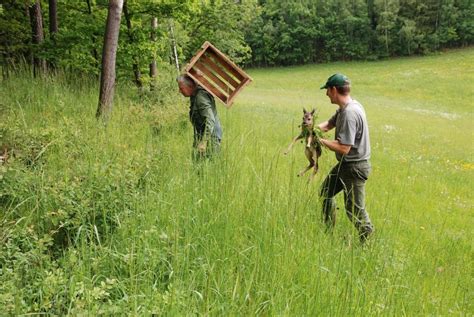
(203, 114)
(352, 129)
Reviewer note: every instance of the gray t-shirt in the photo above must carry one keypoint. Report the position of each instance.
(352, 129)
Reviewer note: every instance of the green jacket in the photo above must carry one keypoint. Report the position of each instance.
(203, 116)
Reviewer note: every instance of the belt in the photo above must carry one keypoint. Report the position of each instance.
(354, 162)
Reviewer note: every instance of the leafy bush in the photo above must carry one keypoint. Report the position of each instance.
(70, 182)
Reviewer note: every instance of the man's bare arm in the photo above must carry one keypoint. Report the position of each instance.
(325, 126)
(336, 146)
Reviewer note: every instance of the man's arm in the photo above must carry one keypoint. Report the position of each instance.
(336, 146)
(325, 126)
(204, 106)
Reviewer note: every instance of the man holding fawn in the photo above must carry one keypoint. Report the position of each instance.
(352, 148)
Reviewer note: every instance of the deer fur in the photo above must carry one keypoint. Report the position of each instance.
(312, 146)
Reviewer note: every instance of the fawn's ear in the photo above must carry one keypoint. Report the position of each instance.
(304, 110)
(312, 112)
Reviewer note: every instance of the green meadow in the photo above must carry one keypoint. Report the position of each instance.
(119, 220)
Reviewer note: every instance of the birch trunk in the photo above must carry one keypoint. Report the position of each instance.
(153, 70)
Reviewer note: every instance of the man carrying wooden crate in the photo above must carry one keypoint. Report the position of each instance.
(203, 116)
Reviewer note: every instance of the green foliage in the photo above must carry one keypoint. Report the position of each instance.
(77, 46)
(15, 33)
(223, 23)
(258, 33)
(297, 32)
(284, 33)
(61, 190)
(465, 22)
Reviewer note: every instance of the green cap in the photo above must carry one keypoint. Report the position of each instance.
(337, 80)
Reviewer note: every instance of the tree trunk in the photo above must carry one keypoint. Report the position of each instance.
(36, 19)
(53, 18)
(371, 14)
(135, 66)
(153, 71)
(173, 43)
(5, 73)
(386, 30)
(438, 9)
(107, 76)
(53, 25)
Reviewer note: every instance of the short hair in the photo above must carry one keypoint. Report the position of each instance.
(186, 80)
(344, 90)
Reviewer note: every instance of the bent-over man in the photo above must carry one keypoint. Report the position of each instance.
(203, 116)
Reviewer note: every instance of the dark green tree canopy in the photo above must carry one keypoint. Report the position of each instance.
(258, 33)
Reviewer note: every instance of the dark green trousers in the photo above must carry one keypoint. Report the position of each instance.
(349, 177)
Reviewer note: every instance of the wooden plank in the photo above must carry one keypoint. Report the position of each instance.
(227, 60)
(221, 61)
(196, 57)
(206, 84)
(232, 96)
(219, 71)
(219, 83)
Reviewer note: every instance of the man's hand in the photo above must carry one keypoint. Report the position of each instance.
(201, 147)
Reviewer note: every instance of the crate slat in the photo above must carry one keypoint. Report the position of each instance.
(219, 70)
(232, 96)
(209, 87)
(220, 84)
(228, 67)
(216, 73)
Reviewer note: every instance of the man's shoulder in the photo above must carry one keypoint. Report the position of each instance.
(354, 104)
(354, 107)
(352, 112)
(203, 93)
(203, 99)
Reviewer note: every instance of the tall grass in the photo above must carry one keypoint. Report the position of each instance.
(119, 220)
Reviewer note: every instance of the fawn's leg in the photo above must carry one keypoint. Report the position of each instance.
(311, 162)
(309, 140)
(305, 169)
(292, 143)
(316, 165)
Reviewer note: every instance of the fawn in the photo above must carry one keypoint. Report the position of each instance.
(313, 146)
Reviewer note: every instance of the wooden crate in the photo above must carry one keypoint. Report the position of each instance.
(216, 73)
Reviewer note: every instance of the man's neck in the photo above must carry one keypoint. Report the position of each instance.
(343, 101)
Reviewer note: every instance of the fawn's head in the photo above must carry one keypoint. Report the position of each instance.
(308, 118)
